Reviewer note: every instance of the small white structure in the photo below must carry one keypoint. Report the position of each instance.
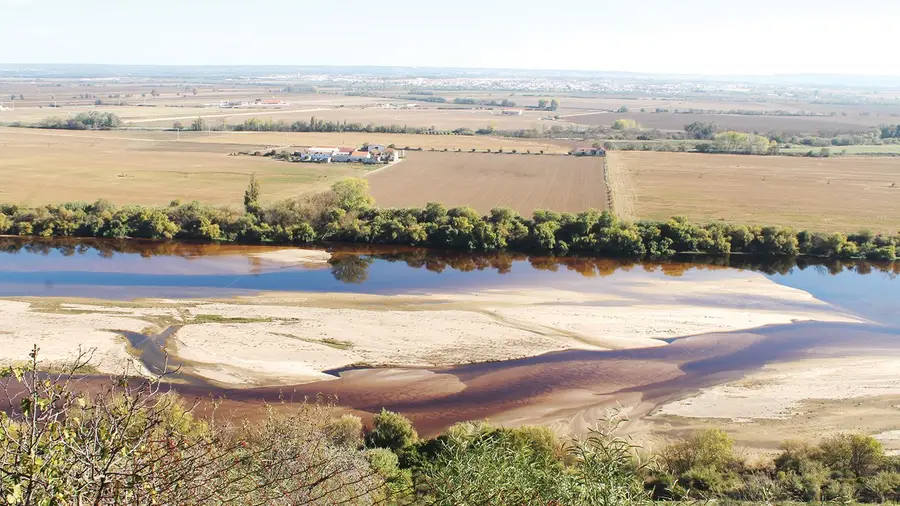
(512, 112)
(320, 158)
(392, 155)
(322, 151)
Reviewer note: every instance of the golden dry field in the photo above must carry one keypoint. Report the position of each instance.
(44, 166)
(822, 194)
(484, 181)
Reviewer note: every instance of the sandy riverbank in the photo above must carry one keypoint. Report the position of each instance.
(294, 256)
(779, 390)
(805, 399)
(291, 338)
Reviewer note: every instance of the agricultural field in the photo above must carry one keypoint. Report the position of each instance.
(44, 166)
(857, 150)
(401, 141)
(820, 194)
(484, 181)
(444, 118)
(157, 104)
(738, 122)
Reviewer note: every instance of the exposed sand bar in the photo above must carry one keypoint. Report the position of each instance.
(779, 390)
(294, 256)
(292, 338)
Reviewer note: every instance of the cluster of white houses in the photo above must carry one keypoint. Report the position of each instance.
(370, 153)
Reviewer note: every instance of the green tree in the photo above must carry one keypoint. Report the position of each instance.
(251, 197)
(852, 454)
(625, 124)
(392, 431)
(542, 104)
(554, 104)
(709, 448)
(198, 124)
(352, 194)
(701, 130)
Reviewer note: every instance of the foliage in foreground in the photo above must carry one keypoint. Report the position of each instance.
(346, 213)
(129, 442)
(64, 443)
(132, 443)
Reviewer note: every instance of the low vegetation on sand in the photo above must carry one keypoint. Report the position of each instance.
(346, 213)
(127, 442)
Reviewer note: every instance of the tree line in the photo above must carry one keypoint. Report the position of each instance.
(318, 125)
(91, 120)
(129, 441)
(346, 214)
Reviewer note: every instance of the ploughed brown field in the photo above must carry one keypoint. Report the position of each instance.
(484, 181)
(821, 194)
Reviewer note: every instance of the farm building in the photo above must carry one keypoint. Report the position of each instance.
(360, 156)
(512, 112)
(591, 151)
(323, 151)
(366, 154)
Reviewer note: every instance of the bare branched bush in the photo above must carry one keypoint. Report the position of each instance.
(131, 442)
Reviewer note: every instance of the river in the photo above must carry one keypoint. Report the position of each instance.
(437, 396)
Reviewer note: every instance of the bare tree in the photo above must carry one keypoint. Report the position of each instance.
(133, 442)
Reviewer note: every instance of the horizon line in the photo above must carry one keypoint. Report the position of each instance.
(452, 67)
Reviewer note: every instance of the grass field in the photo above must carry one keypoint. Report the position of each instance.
(43, 166)
(484, 181)
(842, 193)
(885, 149)
(743, 123)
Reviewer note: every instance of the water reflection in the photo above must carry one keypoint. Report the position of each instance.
(352, 263)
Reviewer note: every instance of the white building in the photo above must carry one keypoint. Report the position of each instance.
(322, 151)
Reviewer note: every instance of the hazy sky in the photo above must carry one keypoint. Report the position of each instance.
(672, 36)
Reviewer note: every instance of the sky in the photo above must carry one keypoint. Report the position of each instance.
(717, 37)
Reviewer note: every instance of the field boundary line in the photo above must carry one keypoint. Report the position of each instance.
(621, 201)
(388, 166)
(609, 192)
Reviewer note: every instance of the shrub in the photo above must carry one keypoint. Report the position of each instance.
(852, 455)
(391, 430)
(346, 431)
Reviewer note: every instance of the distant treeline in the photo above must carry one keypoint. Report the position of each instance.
(92, 120)
(753, 112)
(346, 213)
(491, 103)
(317, 125)
(424, 98)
